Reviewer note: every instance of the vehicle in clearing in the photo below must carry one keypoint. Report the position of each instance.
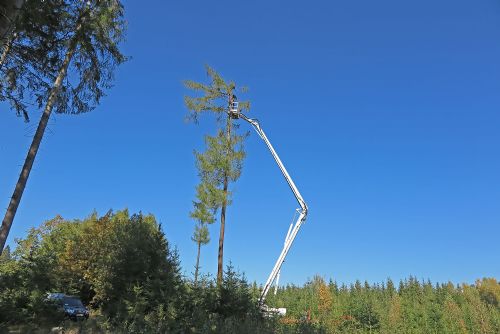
(71, 306)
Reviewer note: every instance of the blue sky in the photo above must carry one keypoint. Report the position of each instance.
(386, 114)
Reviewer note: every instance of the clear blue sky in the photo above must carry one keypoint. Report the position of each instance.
(386, 113)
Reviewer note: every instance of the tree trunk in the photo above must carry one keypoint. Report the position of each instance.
(35, 144)
(220, 264)
(8, 13)
(6, 49)
(197, 267)
(220, 260)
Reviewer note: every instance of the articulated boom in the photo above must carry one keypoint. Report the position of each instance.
(235, 113)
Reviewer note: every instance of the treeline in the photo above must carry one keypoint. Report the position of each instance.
(411, 307)
(124, 270)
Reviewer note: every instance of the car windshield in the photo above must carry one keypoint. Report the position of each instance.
(73, 302)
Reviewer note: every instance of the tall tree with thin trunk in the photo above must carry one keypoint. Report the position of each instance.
(203, 212)
(201, 237)
(222, 161)
(90, 32)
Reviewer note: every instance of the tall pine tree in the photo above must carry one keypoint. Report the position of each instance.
(203, 213)
(221, 163)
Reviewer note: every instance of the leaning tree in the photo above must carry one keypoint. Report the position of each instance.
(86, 45)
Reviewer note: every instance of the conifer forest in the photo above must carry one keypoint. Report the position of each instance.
(130, 108)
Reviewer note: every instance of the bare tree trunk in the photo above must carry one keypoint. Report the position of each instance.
(197, 267)
(220, 260)
(35, 144)
(220, 263)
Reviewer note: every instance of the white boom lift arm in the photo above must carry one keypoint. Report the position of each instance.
(276, 282)
(235, 113)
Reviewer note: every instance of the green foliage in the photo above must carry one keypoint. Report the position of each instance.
(23, 281)
(31, 54)
(225, 308)
(489, 290)
(234, 294)
(119, 264)
(44, 32)
(123, 269)
(214, 99)
(416, 307)
(223, 158)
(222, 161)
(203, 212)
(201, 235)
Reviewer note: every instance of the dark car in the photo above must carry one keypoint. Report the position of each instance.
(72, 306)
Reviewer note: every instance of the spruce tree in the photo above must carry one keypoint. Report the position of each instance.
(9, 11)
(32, 54)
(88, 34)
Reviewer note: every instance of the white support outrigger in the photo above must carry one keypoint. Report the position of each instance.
(235, 113)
